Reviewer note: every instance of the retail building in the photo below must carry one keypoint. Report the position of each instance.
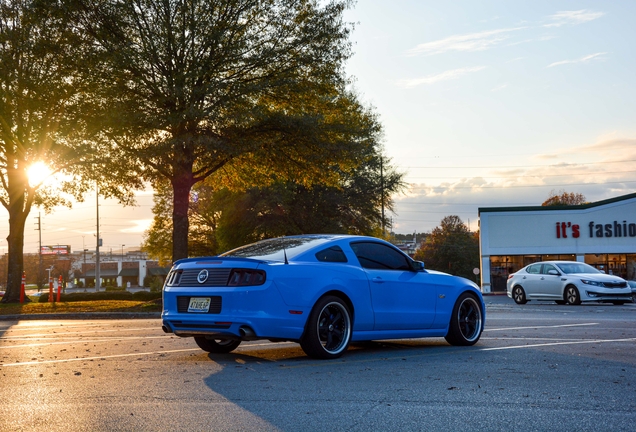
(602, 234)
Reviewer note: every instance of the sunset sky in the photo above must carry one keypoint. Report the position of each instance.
(489, 103)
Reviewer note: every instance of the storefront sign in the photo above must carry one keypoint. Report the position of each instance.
(614, 229)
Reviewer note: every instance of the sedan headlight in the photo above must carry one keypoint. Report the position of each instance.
(591, 282)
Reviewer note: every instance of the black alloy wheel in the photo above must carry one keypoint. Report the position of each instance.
(466, 322)
(328, 329)
(217, 346)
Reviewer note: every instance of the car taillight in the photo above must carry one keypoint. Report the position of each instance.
(174, 278)
(510, 275)
(246, 277)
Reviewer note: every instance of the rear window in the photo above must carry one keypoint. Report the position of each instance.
(276, 249)
(332, 254)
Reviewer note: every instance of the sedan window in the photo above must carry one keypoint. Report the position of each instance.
(380, 257)
(534, 269)
(547, 267)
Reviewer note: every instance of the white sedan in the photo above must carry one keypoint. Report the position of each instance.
(566, 282)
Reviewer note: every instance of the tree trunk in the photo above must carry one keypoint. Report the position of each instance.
(181, 185)
(18, 213)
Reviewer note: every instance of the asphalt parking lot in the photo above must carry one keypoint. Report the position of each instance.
(537, 367)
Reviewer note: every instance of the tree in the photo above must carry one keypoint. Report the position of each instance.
(36, 87)
(224, 219)
(41, 111)
(250, 91)
(451, 248)
(563, 198)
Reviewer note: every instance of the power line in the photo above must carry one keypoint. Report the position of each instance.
(525, 166)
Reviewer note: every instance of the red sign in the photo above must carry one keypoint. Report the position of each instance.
(55, 250)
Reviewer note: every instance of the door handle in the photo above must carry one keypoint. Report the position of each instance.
(377, 280)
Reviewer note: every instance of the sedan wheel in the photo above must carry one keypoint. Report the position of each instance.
(328, 329)
(218, 346)
(519, 295)
(466, 323)
(572, 296)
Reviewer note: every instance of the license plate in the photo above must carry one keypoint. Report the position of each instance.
(199, 304)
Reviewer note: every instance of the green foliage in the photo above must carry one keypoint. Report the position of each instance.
(155, 283)
(250, 91)
(563, 198)
(451, 248)
(226, 219)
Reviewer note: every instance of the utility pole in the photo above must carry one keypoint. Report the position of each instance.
(382, 193)
(99, 241)
(40, 269)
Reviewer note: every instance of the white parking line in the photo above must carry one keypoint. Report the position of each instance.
(538, 327)
(559, 343)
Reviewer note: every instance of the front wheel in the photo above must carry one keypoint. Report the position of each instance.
(217, 346)
(519, 295)
(572, 296)
(328, 329)
(466, 322)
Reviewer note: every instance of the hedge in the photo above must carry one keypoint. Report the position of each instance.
(102, 295)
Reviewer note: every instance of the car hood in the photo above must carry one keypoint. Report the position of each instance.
(600, 277)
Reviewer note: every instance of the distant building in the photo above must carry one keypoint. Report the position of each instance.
(117, 270)
(602, 234)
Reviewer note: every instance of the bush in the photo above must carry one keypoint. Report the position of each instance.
(155, 283)
(146, 296)
(113, 295)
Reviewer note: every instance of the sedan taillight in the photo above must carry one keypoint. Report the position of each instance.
(246, 277)
(510, 275)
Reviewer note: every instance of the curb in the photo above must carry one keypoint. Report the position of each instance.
(85, 315)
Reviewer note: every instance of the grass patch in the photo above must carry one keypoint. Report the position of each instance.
(80, 306)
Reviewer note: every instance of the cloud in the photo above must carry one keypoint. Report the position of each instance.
(499, 87)
(466, 42)
(444, 76)
(141, 225)
(584, 59)
(572, 17)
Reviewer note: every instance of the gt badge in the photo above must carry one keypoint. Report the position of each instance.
(202, 276)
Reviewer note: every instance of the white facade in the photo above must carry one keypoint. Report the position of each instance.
(601, 233)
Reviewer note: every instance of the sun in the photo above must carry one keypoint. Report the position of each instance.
(37, 173)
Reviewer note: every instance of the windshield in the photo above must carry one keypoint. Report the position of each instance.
(569, 268)
(276, 249)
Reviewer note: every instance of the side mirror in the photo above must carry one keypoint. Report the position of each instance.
(554, 272)
(417, 266)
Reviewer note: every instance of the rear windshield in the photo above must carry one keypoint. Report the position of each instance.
(276, 249)
(573, 268)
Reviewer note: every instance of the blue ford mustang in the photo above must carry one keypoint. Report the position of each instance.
(323, 291)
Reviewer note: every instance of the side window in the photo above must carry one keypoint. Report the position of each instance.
(332, 254)
(380, 257)
(534, 269)
(547, 268)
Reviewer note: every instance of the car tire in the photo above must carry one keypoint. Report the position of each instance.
(216, 346)
(467, 321)
(633, 297)
(572, 296)
(328, 329)
(519, 295)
